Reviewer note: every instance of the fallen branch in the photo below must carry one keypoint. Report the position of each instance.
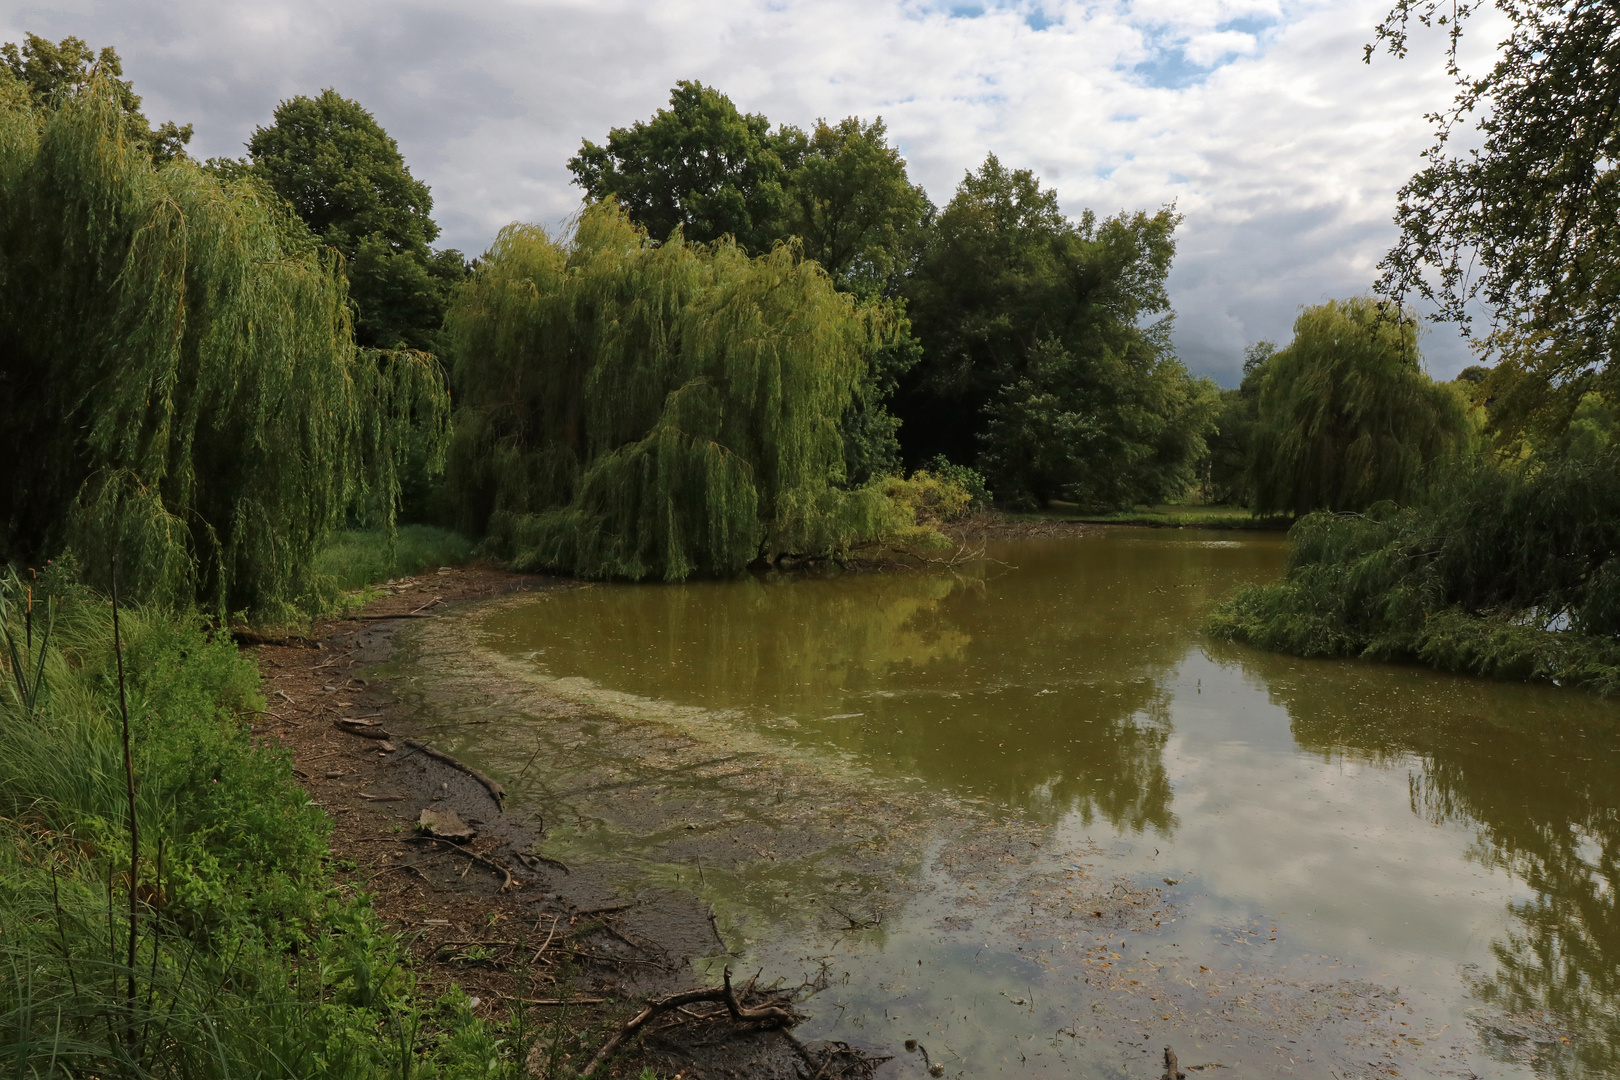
(398, 866)
(510, 882)
(529, 859)
(495, 790)
(608, 910)
(366, 729)
(724, 994)
(549, 935)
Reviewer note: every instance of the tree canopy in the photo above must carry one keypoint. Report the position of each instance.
(630, 409)
(699, 165)
(180, 382)
(853, 206)
(1347, 417)
(1529, 222)
(345, 177)
(46, 75)
(1037, 350)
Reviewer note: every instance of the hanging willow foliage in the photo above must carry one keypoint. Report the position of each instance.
(1347, 416)
(178, 372)
(633, 410)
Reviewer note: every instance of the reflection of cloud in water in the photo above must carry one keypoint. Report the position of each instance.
(1537, 772)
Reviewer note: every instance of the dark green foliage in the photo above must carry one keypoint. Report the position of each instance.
(636, 410)
(47, 75)
(1513, 573)
(1036, 353)
(1347, 416)
(700, 166)
(1104, 430)
(853, 207)
(346, 179)
(871, 433)
(180, 382)
(1529, 222)
(1228, 470)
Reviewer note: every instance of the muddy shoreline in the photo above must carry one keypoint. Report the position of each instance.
(652, 850)
(489, 916)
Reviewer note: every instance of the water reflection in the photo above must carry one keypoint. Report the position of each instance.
(1039, 687)
(1537, 774)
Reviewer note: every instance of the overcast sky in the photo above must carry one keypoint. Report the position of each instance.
(1257, 118)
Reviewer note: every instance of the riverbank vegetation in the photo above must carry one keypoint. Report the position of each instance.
(183, 393)
(1503, 559)
(164, 898)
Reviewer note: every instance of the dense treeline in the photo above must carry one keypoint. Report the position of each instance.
(181, 386)
(1023, 346)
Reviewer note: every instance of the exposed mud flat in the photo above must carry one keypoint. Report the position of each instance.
(873, 890)
(489, 916)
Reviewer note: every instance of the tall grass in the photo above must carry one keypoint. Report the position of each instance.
(356, 558)
(242, 959)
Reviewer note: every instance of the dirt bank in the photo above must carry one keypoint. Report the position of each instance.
(487, 914)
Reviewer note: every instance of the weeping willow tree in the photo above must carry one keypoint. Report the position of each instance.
(637, 410)
(181, 389)
(1346, 416)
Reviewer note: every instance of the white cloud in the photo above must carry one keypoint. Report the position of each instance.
(1257, 118)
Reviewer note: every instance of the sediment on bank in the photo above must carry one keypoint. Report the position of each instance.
(486, 913)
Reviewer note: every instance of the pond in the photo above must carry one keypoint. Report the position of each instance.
(1026, 812)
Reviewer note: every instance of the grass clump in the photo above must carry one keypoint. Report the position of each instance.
(1180, 517)
(1507, 572)
(248, 960)
(356, 558)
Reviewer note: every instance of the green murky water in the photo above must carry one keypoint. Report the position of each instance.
(1338, 869)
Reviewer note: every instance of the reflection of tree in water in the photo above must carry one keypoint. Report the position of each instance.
(1038, 687)
(1535, 771)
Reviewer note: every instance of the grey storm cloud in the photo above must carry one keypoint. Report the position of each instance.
(1256, 118)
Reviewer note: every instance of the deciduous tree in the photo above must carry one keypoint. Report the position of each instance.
(48, 74)
(345, 177)
(1528, 223)
(1347, 417)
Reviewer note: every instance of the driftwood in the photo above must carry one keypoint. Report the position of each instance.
(495, 790)
(724, 994)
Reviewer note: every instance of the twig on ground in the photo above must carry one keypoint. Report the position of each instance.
(510, 882)
(725, 994)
